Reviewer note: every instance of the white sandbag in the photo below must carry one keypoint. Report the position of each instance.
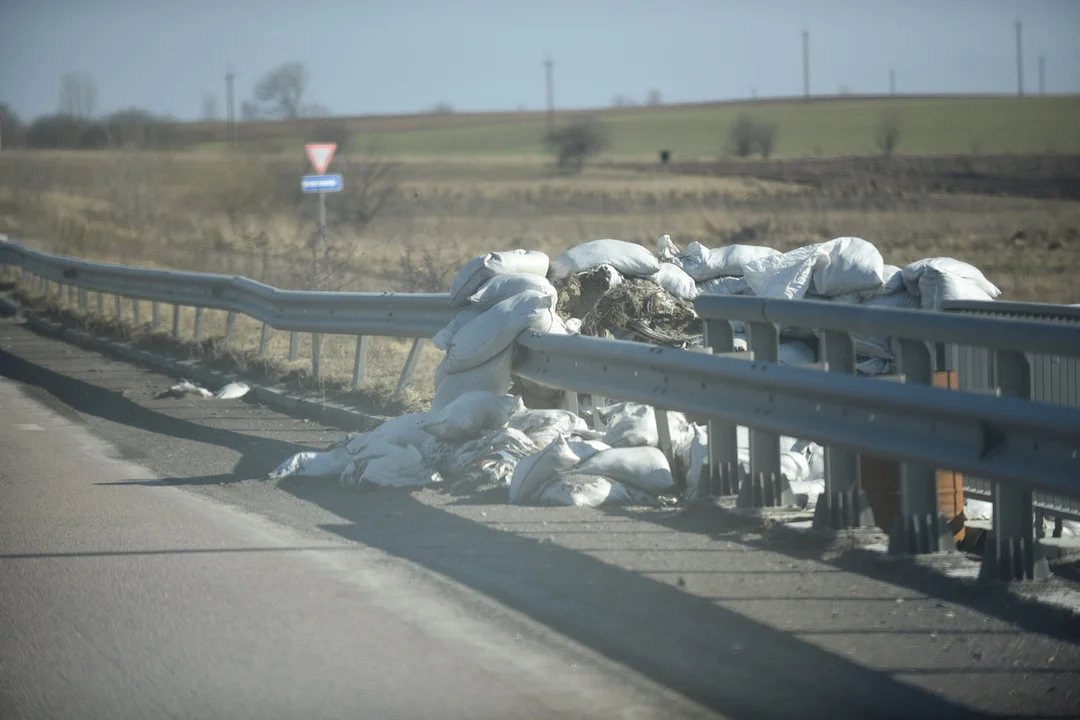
(937, 280)
(501, 287)
(645, 468)
(403, 430)
(445, 337)
(725, 286)
(514, 442)
(233, 391)
(634, 425)
(666, 250)
(312, 464)
(543, 426)
(673, 279)
(913, 274)
(795, 352)
(399, 467)
(697, 470)
(470, 416)
(591, 491)
(630, 259)
(839, 266)
(534, 472)
(585, 449)
(497, 328)
(479, 270)
(794, 467)
(875, 366)
(702, 263)
(493, 376)
(847, 264)
(892, 283)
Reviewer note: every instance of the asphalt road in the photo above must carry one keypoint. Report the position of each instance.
(148, 570)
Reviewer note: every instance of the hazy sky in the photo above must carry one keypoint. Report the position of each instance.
(393, 56)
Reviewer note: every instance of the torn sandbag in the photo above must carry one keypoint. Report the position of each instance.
(496, 329)
(543, 426)
(591, 491)
(579, 293)
(630, 259)
(645, 468)
(534, 472)
(470, 416)
(702, 263)
(642, 307)
(673, 279)
(503, 287)
(312, 464)
(399, 467)
(479, 270)
(725, 286)
(493, 376)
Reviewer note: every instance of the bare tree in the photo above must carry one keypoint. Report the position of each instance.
(749, 135)
(78, 95)
(442, 108)
(887, 133)
(577, 141)
(314, 110)
(654, 98)
(281, 90)
(209, 106)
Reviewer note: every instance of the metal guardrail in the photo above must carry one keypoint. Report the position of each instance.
(1054, 379)
(407, 315)
(1019, 444)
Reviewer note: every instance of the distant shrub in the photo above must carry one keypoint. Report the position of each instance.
(887, 132)
(577, 141)
(56, 132)
(750, 135)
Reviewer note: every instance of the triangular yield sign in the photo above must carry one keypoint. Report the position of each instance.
(320, 154)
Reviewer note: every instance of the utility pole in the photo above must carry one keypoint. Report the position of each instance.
(1042, 74)
(230, 122)
(549, 65)
(806, 65)
(892, 82)
(1019, 58)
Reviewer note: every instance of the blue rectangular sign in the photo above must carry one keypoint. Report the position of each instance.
(320, 183)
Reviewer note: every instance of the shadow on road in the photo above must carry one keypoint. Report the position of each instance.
(258, 456)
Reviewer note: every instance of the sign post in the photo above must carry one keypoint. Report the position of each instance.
(320, 155)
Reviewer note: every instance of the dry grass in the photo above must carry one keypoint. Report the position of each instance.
(244, 215)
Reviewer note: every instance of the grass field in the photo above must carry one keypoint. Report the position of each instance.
(451, 187)
(826, 127)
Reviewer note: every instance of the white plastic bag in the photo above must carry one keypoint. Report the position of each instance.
(630, 259)
(233, 391)
(470, 416)
(444, 337)
(645, 468)
(479, 270)
(534, 472)
(702, 263)
(497, 328)
(312, 464)
(493, 376)
(501, 287)
(665, 249)
(673, 279)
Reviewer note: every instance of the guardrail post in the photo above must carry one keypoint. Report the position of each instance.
(264, 337)
(316, 349)
(118, 310)
(45, 290)
(919, 529)
(155, 315)
(198, 324)
(71, 294)
(136, 316)
(1012, 551)
(176, 321)
(101, 304)
(843, 505)
(723, 476)
(359, 368)
(84, 299)
(410, 365)
(765, 487)
(663, 433)
(230, 328)
(292, 346)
